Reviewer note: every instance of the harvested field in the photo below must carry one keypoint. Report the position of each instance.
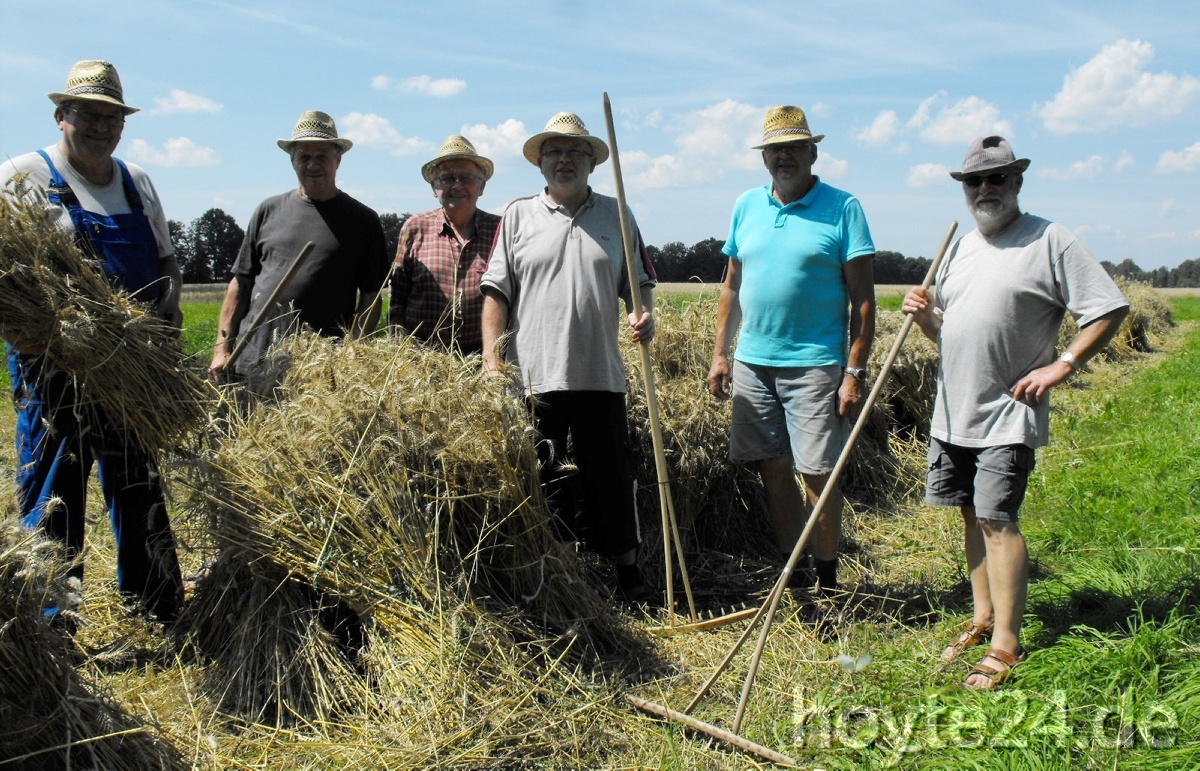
(400, 484)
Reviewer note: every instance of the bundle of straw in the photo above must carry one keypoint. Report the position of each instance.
(402, 482)
(125, 361)
(51, 716)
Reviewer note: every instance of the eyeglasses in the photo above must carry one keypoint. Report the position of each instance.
(975, 180)
(96, 119)
(446, 180)
(574, 154)
(790, 149)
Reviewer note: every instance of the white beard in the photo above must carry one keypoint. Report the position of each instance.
(992, 216)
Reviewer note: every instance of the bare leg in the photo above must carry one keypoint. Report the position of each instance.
(1007, 567)
(785, 503)
(977, 567)
(828, 530)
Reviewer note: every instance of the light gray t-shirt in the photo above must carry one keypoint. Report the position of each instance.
(101, 199)
(1003, 301)
(563, 277)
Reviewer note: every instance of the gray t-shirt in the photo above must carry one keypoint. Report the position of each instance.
(563, 277)
(1003, 301)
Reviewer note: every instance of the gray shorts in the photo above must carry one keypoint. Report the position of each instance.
(787, 410)
(992, 479)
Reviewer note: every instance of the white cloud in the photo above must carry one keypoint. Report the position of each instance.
(1114, 89)
(927, 175)
(176, 152)
(420, 84)
(1089, 168)
(830, 168)
(882, 129)
(1166, 208)
(1185, 160)
(1169, 235)
(503, 140)
(959, 123)
(372, 130)
(1104, 229)
(819, 110)
(223, 203)
(177, 101)
(1124, 162)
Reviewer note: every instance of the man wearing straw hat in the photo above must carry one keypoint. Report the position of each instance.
(553, 286)
(443, 254)
(800, 286)
(116, 214)
(998, 301)
(336, 288)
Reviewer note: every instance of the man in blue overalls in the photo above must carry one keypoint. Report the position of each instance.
(114, 210)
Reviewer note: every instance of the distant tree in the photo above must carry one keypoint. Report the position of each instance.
(1187, 273)
(707, 261)
(216, 239)
(392, 223)
(1128, 269)
(671, 262)
(193, 273)
(895, 268)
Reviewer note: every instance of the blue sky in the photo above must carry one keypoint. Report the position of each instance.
(1104, 97)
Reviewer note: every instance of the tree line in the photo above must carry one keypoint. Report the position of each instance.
(208, 247)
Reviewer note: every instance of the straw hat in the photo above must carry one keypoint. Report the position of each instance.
(457, 148)
(93, 80)
(314, 126)
(786, 124)
(564, 124)
(992, 154)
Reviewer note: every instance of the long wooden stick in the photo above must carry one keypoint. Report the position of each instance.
(711, 730)
(244, 335)
(831, 484)
(669, 525)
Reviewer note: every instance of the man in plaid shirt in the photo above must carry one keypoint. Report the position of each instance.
(444, 252)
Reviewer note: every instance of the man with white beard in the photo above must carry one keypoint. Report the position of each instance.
(995, 311)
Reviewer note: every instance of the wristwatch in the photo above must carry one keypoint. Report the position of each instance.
(1068, 358)
(858, 373)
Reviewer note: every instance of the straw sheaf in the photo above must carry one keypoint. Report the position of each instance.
(53, 716)
(125, 360)
(402, 482)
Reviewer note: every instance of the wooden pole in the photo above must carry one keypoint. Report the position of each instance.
(669, 525)
(711, 730)
(244, 335)
(772, 602)
(830, 485)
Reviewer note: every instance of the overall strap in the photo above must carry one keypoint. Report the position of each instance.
(131, 194)
(59, 191)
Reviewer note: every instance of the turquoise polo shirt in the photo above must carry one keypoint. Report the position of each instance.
(793, 297)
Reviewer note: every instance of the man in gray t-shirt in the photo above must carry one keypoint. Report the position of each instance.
(995, 313)
(554, 284)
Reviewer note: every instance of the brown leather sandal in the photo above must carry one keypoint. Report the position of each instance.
(996, 676)
(972, 636)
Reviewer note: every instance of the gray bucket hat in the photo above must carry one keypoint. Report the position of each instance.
(990, 154)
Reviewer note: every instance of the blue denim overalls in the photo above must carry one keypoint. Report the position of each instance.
(59, 437)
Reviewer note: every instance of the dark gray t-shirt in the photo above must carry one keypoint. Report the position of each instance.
(350, 257)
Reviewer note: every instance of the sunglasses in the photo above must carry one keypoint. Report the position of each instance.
(975, 180)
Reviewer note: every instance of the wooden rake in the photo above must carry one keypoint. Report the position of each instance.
(766, 613)
(670, 526)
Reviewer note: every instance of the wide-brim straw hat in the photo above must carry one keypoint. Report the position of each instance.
(787, 123)
(563, 124)
(314, 126)
(990, 154)
(93, 80)
(457, 148)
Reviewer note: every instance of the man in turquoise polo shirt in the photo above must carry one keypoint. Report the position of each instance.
(800, 287)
